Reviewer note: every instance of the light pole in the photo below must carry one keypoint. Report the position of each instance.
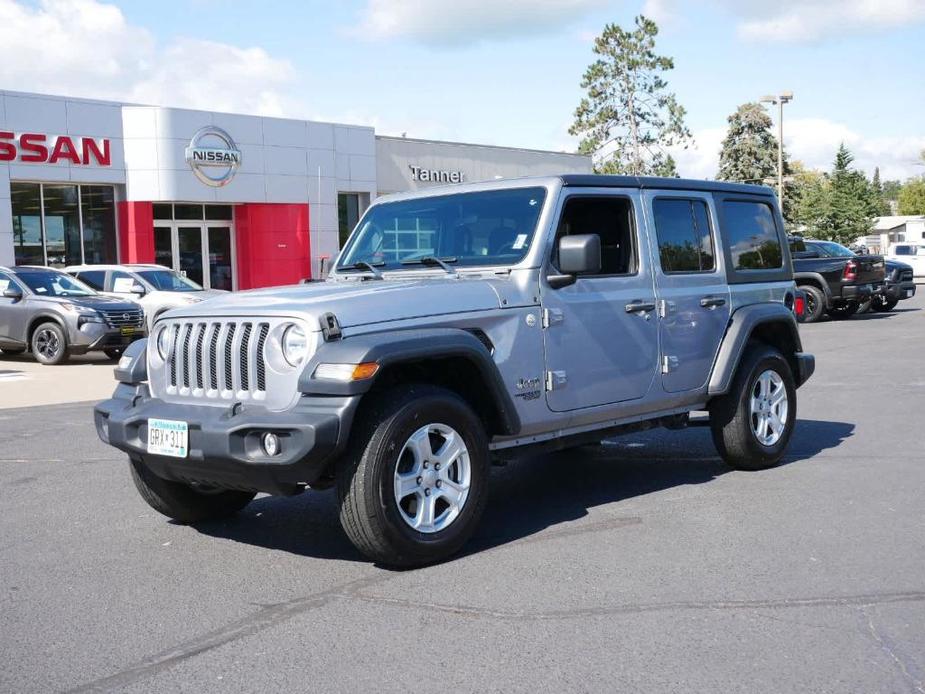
(780, 100)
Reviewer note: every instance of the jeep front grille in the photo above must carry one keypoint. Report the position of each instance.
(195, 363)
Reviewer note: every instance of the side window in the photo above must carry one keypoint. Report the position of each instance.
(94, 278)
(685, 243)
(611, 218)
(751, 233)
(122, 282)
(902, 250)
(5, 282)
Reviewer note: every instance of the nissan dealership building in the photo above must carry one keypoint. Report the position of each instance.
(234, 201)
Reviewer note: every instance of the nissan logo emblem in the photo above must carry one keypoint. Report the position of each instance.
(213, 156)
(125, 316)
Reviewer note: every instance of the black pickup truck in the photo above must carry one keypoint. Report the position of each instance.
(834, 279)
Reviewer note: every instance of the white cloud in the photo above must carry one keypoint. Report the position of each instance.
(466, 22)
(88, 48)
(808, 20)
(814, 141)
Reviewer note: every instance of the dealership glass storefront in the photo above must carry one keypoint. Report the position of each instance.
(61, 224)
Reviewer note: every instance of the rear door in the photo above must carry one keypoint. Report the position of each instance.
(600, 335)
(693, 296)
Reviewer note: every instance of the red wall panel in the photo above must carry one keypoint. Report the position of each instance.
(136, 232)
(273, 244)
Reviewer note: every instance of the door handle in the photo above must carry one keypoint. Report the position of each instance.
(712, 301)
(640, 306)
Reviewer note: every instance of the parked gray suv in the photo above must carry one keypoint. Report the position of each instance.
(54, 315)
(465, 324)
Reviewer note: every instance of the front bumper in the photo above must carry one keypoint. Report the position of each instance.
(224, 443)
(90, 337)
(899, 290)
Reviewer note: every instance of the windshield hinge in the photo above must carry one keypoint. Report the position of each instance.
(330, 328)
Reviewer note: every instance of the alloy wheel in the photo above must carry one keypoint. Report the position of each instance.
(47, 343)
(769, 407)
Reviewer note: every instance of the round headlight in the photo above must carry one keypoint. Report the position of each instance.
(295, 345)
(165, 342)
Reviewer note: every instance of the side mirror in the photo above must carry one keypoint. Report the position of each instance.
(578, 255)
(138, 290)
(12, 292)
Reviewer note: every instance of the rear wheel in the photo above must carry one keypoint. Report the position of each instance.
(864, 307)
(185, 503)
(815, 304)
(752, 424)
(49, 344)
(882, 304)
(413, 488)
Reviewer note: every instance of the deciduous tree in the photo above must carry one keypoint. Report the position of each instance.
(912, 197)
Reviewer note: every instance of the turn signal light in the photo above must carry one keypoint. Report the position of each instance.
(346, 372)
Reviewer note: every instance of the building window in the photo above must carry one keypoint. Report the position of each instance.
(62, 224)
(348, 214)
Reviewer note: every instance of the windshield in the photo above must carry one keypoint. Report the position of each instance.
(493, 227)
(168, 281)
(51, 283)
(830, 249)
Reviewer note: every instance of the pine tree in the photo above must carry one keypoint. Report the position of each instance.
(879, 202)
(628, 118)
(749, 152)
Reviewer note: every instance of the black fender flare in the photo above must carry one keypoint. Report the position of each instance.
(742, 325)
(44, 317)
(816, 278)
(390, 348)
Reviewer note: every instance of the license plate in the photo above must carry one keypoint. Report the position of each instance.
(168, 437)
(128, 330)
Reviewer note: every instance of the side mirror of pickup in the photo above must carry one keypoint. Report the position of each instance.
(12, 292)
(578, 255)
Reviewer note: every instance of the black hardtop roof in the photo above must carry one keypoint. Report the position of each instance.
(608, 181)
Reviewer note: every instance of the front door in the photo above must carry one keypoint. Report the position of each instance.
(691, 286)
(601, 335)
(202, 252)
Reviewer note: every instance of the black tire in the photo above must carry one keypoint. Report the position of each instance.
(864, 307)
(49, 344)
(369, 511)
(183, 503)
(731, 418)
(882, 304)
(844, 311)
(114, 353)
(815, 303)
(12, 351)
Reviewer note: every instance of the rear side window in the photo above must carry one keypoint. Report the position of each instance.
(902, 250)
(752, 235)
(95, 278)
(685, 243)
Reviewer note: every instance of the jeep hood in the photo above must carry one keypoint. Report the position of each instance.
(355, 302)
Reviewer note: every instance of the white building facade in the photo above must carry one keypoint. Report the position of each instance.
(234, 201)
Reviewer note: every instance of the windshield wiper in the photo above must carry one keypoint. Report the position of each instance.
(433, 260)
(365, 265)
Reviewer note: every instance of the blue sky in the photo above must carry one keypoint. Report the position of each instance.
(500, 72)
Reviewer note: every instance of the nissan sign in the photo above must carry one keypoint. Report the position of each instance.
(213, 156)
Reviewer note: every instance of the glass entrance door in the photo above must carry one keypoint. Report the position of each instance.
(204, 254)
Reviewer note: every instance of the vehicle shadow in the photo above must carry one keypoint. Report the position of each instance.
(529, 496)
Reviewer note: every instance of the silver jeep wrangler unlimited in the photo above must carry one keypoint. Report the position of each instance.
(465, 323)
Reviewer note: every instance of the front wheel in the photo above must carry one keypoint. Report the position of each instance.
(185, 503)
(752, 424)
(413, 488)
(49, 344)
(113, 353)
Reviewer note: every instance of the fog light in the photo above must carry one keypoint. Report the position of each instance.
(270, 443)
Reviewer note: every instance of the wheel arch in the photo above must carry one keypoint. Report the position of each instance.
(455, 359)
(773, 325)
(36, 321)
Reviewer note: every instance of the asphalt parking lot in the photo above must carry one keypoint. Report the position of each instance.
(641, 565)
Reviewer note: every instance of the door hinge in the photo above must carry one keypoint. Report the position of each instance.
(552, 316)
(556, 380)
(669, 364)
(665, 308)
